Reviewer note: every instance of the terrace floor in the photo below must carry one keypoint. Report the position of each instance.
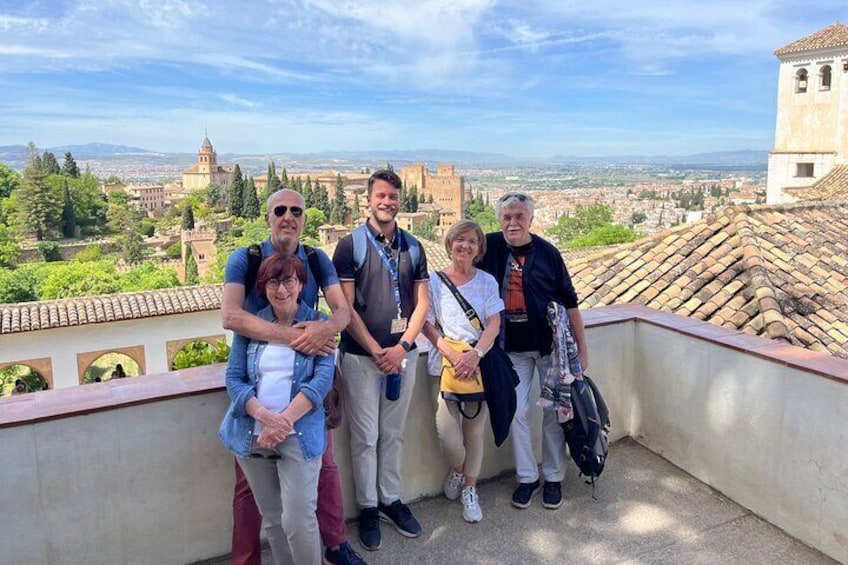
(647, 511)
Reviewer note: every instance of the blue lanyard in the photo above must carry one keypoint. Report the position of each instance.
(393, 266)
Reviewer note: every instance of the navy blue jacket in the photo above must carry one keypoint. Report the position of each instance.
(544, 278)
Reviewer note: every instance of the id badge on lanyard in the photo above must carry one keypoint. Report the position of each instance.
(399, 323)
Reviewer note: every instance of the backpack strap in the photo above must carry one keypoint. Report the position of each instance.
(314, 268)
(360, 246)
(254, 259)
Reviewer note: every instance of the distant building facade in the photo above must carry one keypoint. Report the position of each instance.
(812, 109)
(207, 170)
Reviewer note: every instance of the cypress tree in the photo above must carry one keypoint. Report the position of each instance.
(235, 194)
(191, 273)
(251, 201)
(273, 184)
(320, 198)
(69, 167)
(284, 179)
(339, 208)
(49, 163)
(355, 212)
(68, 218)
(37, 208)
(308, 197)
(188, 217)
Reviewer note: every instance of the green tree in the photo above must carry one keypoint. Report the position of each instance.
(284, 179)
(211, 195)
(10, 251)
(355, 211)
(338, 210)
(71, 279)
(113, 179)
(274, 184)
(90, 253)
(148, 276)
(69, 166)
(199, 353)
(191, 274)
(188, 217)
(250, 209)
(37, 208)
(236, 193)
(315, 218)
(581, 222)
(49, 163)
(603, 235)
(487, 221)
(9, 179)
(308, 196)
(320, 198)
(69, 220)
(21, 284)
(427, 229)
(637, 217)
(49, 251)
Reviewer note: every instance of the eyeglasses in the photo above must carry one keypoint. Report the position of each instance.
(470, 241)
(390, 255)
(281, 210)
(513, 195)
(289, 283)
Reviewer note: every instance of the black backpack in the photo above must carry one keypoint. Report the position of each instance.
(254, 260)
(586, 433)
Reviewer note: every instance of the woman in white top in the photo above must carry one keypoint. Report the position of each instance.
(462, 438)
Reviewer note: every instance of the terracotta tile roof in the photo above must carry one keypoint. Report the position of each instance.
(835, 35)
(31, 316)
(832, 186)
(775, 271)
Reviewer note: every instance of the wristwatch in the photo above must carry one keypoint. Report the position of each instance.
(406, 345)
(480, 352)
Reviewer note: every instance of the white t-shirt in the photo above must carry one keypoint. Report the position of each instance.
(481, 292)
(276, 373)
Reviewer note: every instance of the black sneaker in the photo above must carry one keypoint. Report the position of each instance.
(400, 516)
(344, 555)
(369, 529)
(523, 495)
(552, 495)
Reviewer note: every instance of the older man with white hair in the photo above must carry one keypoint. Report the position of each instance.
(531, 273)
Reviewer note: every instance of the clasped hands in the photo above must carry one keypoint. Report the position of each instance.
(389, 359)
(465, 364)
(276, 426)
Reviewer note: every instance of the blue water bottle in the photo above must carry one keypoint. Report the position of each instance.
(393, 383)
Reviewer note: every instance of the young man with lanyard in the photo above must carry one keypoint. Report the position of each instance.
(531, 273)
(389, 301)
(286, 217)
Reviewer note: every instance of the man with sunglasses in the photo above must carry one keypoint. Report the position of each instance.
(531, 273)
(389, 298)
(286, 217)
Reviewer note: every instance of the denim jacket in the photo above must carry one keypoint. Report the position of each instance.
(313, 376)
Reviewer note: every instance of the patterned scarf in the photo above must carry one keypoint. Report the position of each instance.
(565, 367)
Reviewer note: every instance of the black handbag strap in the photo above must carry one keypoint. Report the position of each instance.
(469, 310)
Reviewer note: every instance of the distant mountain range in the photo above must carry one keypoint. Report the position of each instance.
(15, 155)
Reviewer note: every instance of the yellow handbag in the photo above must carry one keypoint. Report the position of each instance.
(456, 389)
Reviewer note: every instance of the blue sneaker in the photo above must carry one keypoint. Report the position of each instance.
(400, 516)
(552, 495)
(344, 555)
(523, 495)
(369, 529)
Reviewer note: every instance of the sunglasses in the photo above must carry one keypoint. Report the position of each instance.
(281, 210)
(513, 195)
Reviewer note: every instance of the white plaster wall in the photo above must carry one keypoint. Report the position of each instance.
(782, 168)
(770, 437)
(63, 344)
(144, 484)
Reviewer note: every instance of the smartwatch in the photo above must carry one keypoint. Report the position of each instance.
(406, 345)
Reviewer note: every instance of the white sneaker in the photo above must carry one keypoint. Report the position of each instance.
(472, 511)
(453, 485)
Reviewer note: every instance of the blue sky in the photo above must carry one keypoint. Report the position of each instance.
(529, 78)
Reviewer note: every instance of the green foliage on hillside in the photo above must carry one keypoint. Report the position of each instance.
(198, 353)
(589, 226)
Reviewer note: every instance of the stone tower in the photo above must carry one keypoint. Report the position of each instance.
(207, 159)
(811, 133)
